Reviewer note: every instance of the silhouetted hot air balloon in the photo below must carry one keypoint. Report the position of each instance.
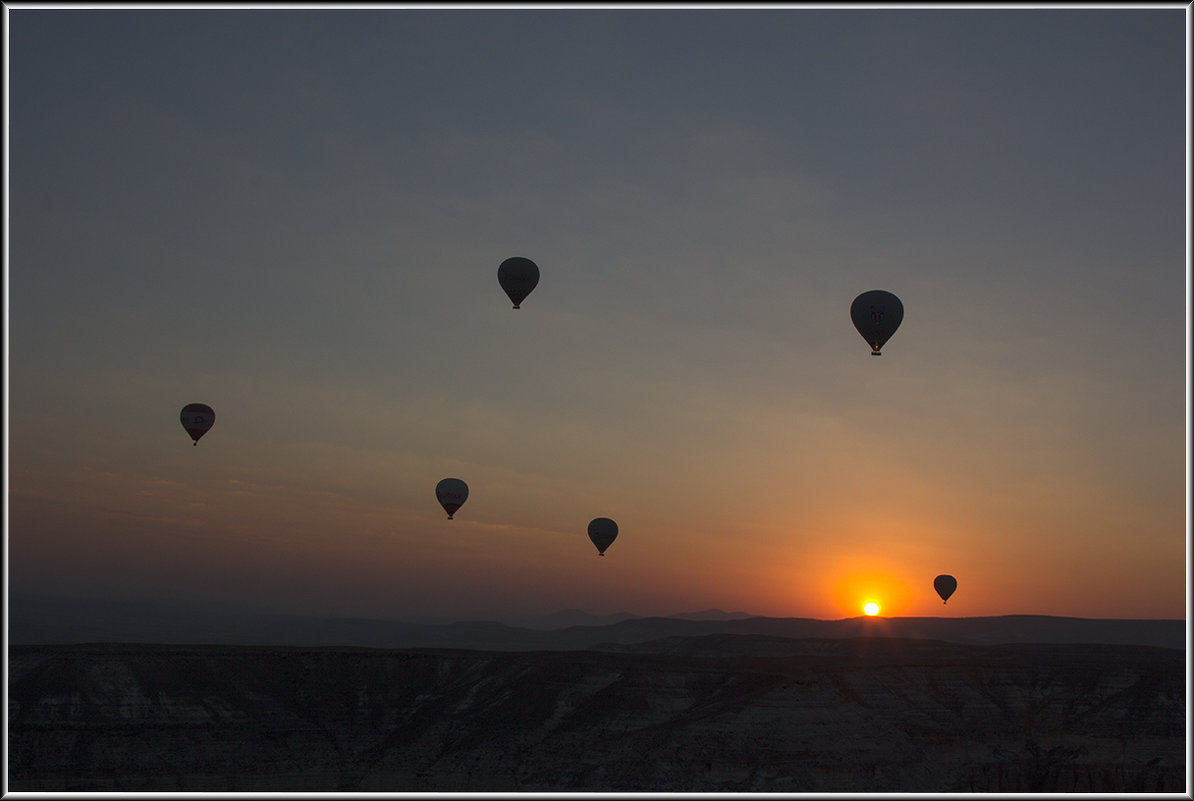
(451, 494)
(518, 276)
(945, 586)
(197, 418)
(603, 532)
(876, 314)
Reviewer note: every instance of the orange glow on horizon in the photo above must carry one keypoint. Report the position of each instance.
(854, 593)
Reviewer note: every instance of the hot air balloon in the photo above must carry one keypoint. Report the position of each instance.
(197, 418)
(876, 314)
(518, 276)
(603, 532)
(945, 586)
(451, 494)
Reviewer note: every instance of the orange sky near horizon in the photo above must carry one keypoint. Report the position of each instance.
(189, 528)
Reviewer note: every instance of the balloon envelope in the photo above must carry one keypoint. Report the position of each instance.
(518, 276)
(197, 419)
(876, 314)
(945, 586)
(603, 532)
(451, 494)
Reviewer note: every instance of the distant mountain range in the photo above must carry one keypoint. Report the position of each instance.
(576, 617)
(66, 621)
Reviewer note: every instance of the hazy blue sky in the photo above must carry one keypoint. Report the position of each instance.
(296, 216)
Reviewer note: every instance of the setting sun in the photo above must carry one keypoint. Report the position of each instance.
(871, 608)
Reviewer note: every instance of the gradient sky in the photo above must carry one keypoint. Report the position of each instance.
(296, 216)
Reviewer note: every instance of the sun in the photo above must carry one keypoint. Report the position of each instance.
(871, 608)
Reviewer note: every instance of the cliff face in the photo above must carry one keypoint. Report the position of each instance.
(715, 714)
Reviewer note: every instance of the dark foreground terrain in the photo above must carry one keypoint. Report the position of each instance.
(719, 713)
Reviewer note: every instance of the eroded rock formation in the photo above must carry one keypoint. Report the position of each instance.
(706, 714)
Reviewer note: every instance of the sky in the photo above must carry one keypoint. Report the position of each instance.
(296, 217)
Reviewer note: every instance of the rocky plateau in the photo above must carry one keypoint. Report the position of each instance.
(710, 713)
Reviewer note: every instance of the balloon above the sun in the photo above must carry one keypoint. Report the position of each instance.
(871, 608)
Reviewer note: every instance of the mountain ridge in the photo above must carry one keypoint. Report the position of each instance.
(59, 621)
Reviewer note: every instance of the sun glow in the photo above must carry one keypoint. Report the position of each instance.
(871, 608)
